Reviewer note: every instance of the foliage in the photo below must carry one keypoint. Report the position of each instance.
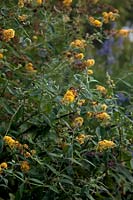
(63, 135)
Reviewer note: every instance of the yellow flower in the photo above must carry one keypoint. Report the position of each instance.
(78, 43)
(94, 22)
(3, 165)
(101, 89)
(70, 95)
(21, 3)
(26, 146)
(78, 121)
(8, 34)
(103, 116)
(123, 32)
(107, 17)
(39, 2)
(33, 152)
(79, 56)
(27, 154)
(90, 114)
(9, 141)
(29, 67)
(67, 3)
(25, 167)
(81, 138)
(90, 72)
(97, 23)
(1, 56)
(34, 37)
(22, 18)
(104, 107)
(81, 102)
(112, 16)
(89, 62)
(91, 19)
(105, 144)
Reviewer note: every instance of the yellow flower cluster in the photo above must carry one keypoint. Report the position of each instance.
(81, 138)
(1, 56)
(25, 167)
(8, 34)
(95, 22)
(29, 67)
(89, 62)
(3, 166)
(79, 56)
(78, 121)
(101, 89)
(105, 144)
(10, 142)
(69, 96)
(108, 16)
(123, 33)
(103, 116)
(78, 43)
(67, 3)
(22, 18)
(14, 144)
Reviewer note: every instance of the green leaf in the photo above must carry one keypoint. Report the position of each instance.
(66, 181)
(34, 180)
(131, 163)
(53, 188)
(52, 169)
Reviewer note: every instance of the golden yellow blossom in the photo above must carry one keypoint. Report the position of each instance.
(103, 116)
(123, 33)
(79, 56)
(109, 16)
(90, 72)
(9, 141)
(33, 152)
(34, 37)
(27, 154)
(26, 146)
(39, 2)
(105, 144)
(20, 3)
(94, 22)
(104, 107)
(69, 96)
(29, 67)
(90, 114)
(78, 121)
(67, 3)
(25, 167)
(78, 43)
(1, 56)
(22, 18)
(97, 23)
(3, 165)
(89, 62)
(8, 34)
(81, 138)
(81, 102)
(101, 89)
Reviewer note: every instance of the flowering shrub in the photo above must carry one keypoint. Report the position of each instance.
(63, 133)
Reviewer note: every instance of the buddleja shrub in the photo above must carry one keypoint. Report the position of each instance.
(63, 134)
